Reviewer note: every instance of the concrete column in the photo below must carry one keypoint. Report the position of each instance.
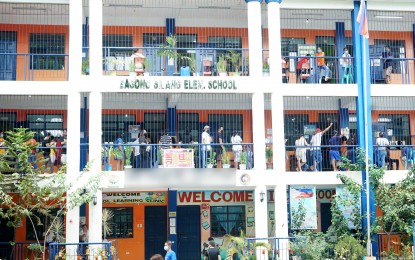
(73, 139)
(258, 127)
(278, 141)
(95, 38)
(281, 219)
(274, 39)
(95, 126)
(261, 223)
(75, 39)
(255, 37)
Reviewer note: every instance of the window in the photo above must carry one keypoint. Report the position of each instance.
(230, 124)
(116, 52)
(41, 227)
(186, 40)
(113, 125)
(398, 50)
(293, 126)
(117, 40)
(43, 124)
(324, 120)
(121, 224)
(397, 127)
(188, 121)
(290, 45)
(154, 124)
(226, 42)
(153, 39)
(227, 220)
(42, 47)
(8, 121)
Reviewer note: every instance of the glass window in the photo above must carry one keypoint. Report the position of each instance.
(398, 50)
(226, 42)
(188, 121)
(154, 124)
(117, 59)
(8, 121)
(41, 226)
(121, 224)
(230, 123)
(290, 45)
(113, 125)
(42, 47)
(397, 127)
(186, 40)
(227, 220)
(153, 39)
(293, 126)
(42, 124)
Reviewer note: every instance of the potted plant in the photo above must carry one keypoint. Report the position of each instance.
(242, 161)
(159, 159)
(169, 50)
(221, 66)
(148, 66)
(211, 160)
(128, 152)
(268, 155)
(234, 58)
(106, 155)
(265, 69)
(131, 69)
(192, 65)
(85, 66)
(226, 159)
(110, 65)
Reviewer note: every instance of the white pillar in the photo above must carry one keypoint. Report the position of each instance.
(95, 128)
(95, 38)
(255, 37)
(75, 40)
(261, 211)
(258, 127)
(281, 219)
(278, 141)
(274, 39)
(73, 161)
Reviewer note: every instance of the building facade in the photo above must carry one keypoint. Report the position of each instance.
(97, 69)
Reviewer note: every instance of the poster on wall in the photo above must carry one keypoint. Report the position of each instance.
(348, 206)
(178, 158)
(303, 197)
(151, 197)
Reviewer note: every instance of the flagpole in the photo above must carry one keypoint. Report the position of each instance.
(365, 105)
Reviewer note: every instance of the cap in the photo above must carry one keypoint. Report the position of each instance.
(206, 127)
(318, 130)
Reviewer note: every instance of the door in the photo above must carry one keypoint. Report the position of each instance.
(188, 232)
(325, 216)
(155, 233)
(7, 61)
(6, 236)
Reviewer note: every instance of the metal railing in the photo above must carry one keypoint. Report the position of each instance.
(392, 70)
(277, 247)
(104, 250)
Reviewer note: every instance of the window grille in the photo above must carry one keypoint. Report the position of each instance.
(227, 220)
(122, 223)
(47, 44)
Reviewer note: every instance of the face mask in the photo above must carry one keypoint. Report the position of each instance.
(1, 135)
(166, 248)
(346, 52)
(319, 51)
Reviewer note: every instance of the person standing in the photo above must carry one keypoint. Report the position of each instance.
(205, 148)
(83, 238)
(156, 257)
(301, 152)
(345, 61)
(212, 253)
(321, 64)
(219, 148)
(382, 143)
(316, 148)
(119, 159)
(387, 55)
(170, 255)
(236, 148)
(136, 150)
(335, 142)
(144, 160)
(165, 143)
(46, 151)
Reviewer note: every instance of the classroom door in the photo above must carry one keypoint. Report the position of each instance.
(6, 236)
(325, 210)
(188, 232)
(155, 233)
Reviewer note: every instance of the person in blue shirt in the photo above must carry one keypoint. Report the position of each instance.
(335, 142)
(170, 255)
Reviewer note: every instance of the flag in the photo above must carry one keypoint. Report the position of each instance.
(362, 20)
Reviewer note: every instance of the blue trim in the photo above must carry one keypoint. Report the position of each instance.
(340, 44)
(172, 207)
(84, 140)
(344, 117)
(273, 1)
(363, 81)
(413, 40)
(170, 30)
(171, 121)
(260, 1)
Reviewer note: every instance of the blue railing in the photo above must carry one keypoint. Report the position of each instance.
(148, 155)
(392, 70)
(104, 250)
(277, 247)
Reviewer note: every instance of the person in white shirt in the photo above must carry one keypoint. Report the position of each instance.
(345, 61)
(205, 148)
(301, 152)
(236, 148)
(316, 148)
(382, 143)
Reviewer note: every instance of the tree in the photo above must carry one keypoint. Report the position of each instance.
(25, 192)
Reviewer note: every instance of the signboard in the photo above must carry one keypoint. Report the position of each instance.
(198, 197)
(305, 196)
(134, 197)
(178, 84)
(178, 158)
